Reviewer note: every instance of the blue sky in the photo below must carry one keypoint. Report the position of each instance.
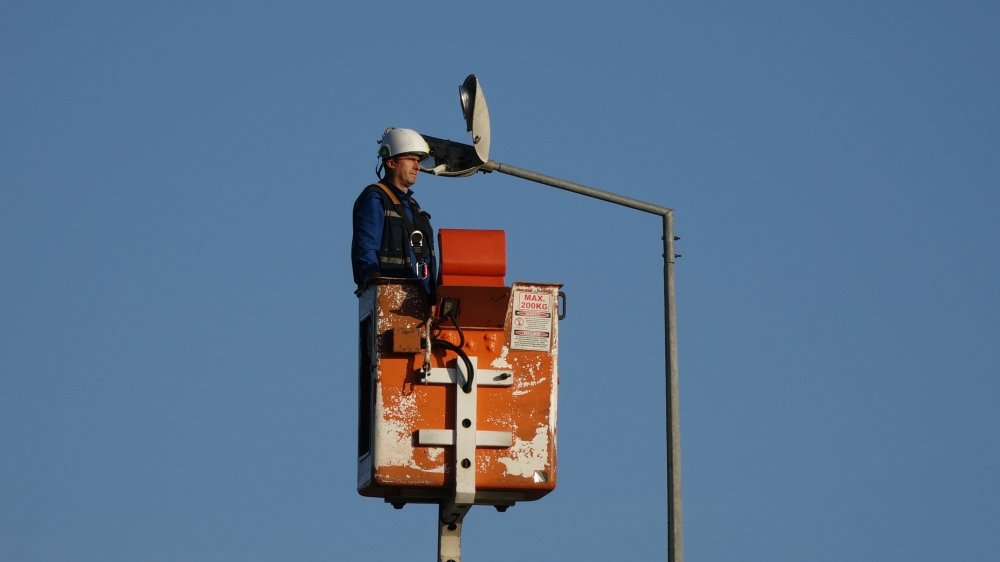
(177, 322)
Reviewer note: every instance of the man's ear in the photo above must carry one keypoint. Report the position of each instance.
(389, 163)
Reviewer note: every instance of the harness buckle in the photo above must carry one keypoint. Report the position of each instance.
(417, 243)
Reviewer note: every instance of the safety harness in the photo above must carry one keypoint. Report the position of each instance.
(417, 237)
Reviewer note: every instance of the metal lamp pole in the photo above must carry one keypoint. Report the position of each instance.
(460, 160)
(675, 546)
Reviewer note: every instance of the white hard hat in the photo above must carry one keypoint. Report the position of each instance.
(402, 141)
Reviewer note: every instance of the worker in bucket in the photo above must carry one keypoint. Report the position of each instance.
(392, 235)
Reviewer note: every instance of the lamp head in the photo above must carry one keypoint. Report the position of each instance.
(477, 115)
(455, 159)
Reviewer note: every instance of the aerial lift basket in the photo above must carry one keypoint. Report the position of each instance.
(429, 431)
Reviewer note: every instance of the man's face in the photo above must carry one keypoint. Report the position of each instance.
(403, 170)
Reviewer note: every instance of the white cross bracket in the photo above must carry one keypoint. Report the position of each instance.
(465, 437)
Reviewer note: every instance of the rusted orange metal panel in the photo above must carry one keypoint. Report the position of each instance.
(510, 331)
(472, 257)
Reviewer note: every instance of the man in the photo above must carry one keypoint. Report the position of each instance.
(392, 236)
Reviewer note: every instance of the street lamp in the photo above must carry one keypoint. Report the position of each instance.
(454, 159)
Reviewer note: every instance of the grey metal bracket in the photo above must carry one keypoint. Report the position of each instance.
(450, 517)
(465, 438)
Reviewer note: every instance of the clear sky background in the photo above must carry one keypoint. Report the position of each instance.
(177, 317)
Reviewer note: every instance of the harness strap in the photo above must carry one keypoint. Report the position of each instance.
(419, 251)
(390, 193)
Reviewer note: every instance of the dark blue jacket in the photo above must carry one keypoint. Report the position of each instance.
(381, 240)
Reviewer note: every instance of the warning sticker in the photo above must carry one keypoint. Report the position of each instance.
(531, 326)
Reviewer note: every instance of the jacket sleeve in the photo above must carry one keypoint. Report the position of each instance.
(369, 217)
